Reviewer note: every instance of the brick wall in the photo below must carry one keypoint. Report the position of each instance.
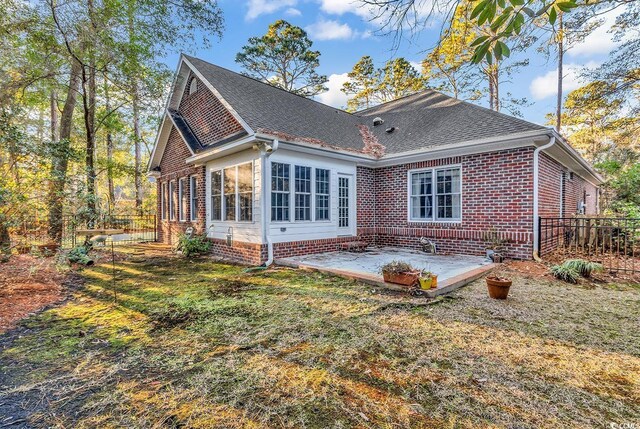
(495, 193)
(209, 120)
(574, 189)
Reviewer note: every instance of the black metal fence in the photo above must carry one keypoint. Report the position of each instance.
(34, 231)
(614, 242)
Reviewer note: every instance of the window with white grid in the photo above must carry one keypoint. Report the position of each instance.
(322, 194)
(302, 193)
(216, 195)
(280, 178)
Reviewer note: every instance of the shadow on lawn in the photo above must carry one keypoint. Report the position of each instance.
(202, 344)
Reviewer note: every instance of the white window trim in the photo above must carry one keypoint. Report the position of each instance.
(434, 203)
(181, 208)
(163, 201)
(292, 193)
(172, 206)
(314, 194)
(210, 196)
(193, 208)
(223, 204)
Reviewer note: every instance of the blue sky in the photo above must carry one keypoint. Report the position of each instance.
(342, 33)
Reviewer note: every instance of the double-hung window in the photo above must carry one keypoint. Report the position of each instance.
(172, 200)
(232, 193)
(303, 193)
(163, 201)
(280, 191)
(229, 190)
(309, 190)
(181, 200)
(193, 198)
(216, 195)
(245, 192)
(322, 194)
(435, 195)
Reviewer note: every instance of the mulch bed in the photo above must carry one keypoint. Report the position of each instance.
(27, 284)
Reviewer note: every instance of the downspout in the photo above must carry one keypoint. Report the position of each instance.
(536, 179)
(266, 237)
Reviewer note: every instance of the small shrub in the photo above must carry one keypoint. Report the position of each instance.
(565, 273)
(396, 267)
(193, 245)
(584, 268)
(80, 255)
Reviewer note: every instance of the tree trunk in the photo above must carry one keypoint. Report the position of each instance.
(137, 137)
(60, 154)
(560, 73)
(112, 193)
(89, 98)
(55, 128)
(138, 152)
(5, 242)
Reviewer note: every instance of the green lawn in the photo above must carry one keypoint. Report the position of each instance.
(203, 344)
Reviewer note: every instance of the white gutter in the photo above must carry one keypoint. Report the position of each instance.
(536, 179)
(266, 237)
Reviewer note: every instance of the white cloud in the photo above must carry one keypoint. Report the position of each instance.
(547, 85)
(329, 30)
(416, 65)
(292, 11)
(340, 7)
(263, 7)
(600, 41)
(334, 97)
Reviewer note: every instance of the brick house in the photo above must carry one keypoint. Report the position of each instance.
(268, 174)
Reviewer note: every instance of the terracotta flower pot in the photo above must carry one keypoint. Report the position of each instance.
(406, 279)
(498, 287)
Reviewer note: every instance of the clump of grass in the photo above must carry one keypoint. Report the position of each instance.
(572, 269)
(565, 273)
(584, 268)
(172, 315)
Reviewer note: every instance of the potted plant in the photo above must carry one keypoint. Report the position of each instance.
(400, 273)
(495, 245)
(428, 280)
(498, 287)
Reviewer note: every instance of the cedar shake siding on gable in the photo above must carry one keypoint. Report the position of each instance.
(207, 117)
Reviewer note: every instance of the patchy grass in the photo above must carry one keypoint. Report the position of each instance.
(203, 344)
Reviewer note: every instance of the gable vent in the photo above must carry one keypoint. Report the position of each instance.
(377, 121)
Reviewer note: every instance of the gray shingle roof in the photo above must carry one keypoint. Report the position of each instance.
(430, 118)
(264, 106)
(422, 120)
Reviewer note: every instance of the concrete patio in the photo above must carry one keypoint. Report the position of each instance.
(454, 271)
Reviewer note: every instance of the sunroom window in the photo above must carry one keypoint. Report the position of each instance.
(303, 193)
(435, 202)
(280, 192)
(216, 195)
(305, 197)
(322, 194)
(232, 193)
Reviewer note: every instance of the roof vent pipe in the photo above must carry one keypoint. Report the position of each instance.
(377, 121)
(390, 130)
